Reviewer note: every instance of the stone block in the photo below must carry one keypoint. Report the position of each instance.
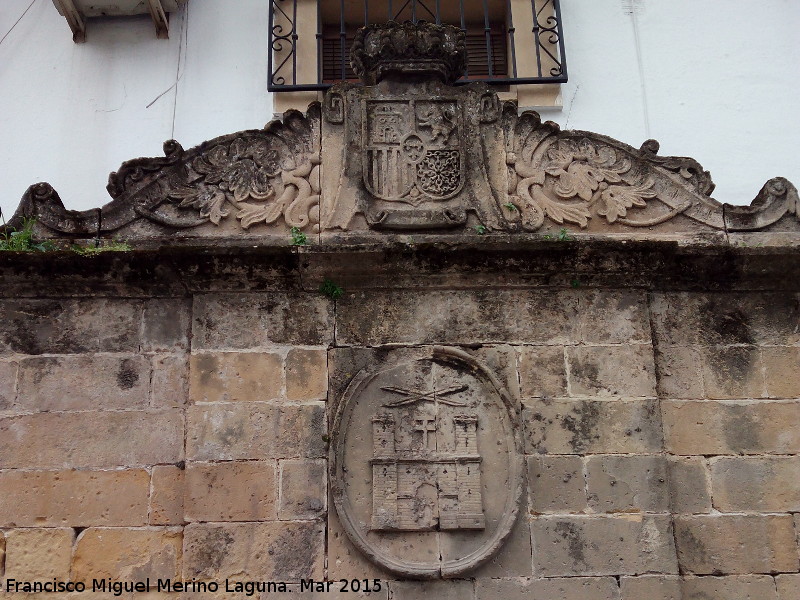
(252, 320)
(255, 431)
(91, 439)
(84, 382)
(303, 494)
(567, 588)
(74, 498)
(166, 323)
(620, 371)
(703, 428)
(73, 325)
(619, 545)
(745, 587)
(542, 371)
(235, 376)
(441, 590)
(537, 316)
(788, 586)
(781, 371)
(725, 318)
(231, 491)
(169, 386)
(166, 496)
(8, 384)
(763, 484)
(276, 551)
(38, 554)
(592, 427)
(651, 587)
(127, 554)
(345, 561)
(306, 374)
(627, 483)
(679, 372)
(614, 317)
(556, 484)
(736, 544)
(689, 486)
(732, 372)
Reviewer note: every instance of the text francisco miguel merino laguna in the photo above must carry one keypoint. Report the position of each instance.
(248, 588)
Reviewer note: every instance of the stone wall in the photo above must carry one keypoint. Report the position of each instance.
(166, 414)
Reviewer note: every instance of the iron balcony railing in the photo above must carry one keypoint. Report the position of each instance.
(309, 40)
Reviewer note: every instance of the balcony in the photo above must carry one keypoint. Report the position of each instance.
(509, 42)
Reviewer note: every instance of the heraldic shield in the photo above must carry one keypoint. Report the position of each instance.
(425, 460)
(411, 151)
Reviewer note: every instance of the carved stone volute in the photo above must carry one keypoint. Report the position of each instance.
(409, 49)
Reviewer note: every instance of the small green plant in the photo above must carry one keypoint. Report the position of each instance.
(298, 237)
(511, 206)
(21, 240)
(100, 247)
(331, 290)
(562, 236)
(575, 283)
(480, 229)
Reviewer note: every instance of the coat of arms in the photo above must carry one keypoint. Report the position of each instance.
(411, 151)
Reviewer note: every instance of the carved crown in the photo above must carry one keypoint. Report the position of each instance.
(409, 48)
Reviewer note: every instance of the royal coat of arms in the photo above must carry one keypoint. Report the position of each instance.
(411, 151)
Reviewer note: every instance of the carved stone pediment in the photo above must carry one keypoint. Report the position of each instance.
(410, 151)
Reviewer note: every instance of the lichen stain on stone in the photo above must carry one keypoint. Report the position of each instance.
(127, 377)
(741, 430)
(725, 326)
(690, 545)
(207, 367)
(293, 553)
(588, 372)
(572, 534)
(582, 426)
(211, 551)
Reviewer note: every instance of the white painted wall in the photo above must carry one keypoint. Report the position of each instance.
(713, 79)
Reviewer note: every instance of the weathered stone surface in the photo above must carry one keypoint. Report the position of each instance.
(255, 431)
(619, 545)
(732, 372)
(567, 588)
(166, 323)
(231, 491)
(127, 554)
(745, 587)
(695, 428)
(91, 439)
(345, 561)
(736, 544)
(788, 587)
(457, 316)
(592, 426)
(70, 325)
(74, 498)
(169, 385)
(303, 489)
(617, 316)
(628, 483)
(166, 496)
(444, 590)
(542, 371)
(690, 318)
(764, 484)
(285, 551)
(514, 559)
(689, 486)
(84, 382)
(239, 321)
(306, 374)
(38, 554)
(622, 371)
(679, 372)
(781, 372)
(8, 384)
(235, 376)
(556, 484)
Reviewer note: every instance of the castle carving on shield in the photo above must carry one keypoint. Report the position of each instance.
(426, 470)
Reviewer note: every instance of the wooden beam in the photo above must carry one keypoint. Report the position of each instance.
(159, 18)
(75, 20)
